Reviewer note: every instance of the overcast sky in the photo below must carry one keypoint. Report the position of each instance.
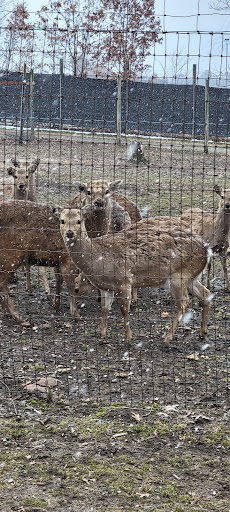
(182, 17)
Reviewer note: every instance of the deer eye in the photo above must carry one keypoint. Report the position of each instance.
(62, 221)
(89, 193)
(27, 176)
(78, 222)
(107, 191)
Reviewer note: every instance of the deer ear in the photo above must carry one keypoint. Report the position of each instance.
(11, 171)
(34, 166)
(82, 187)
(217, 189)
(114, 185)
(56, 211)
(15, 163)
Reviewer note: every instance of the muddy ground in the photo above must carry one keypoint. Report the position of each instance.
(92, 426)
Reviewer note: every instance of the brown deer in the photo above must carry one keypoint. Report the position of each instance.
(110, 212)
(22, 186)
(30, 233)
(214, 229)
(138, 257)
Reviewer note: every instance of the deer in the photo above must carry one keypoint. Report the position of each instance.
(214, 229)
(24, 179)
(22, 187)
(110, 212)
(150, 255)
(30, 233)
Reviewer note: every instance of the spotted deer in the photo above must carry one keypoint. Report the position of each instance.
(109, 212)
(150, 255)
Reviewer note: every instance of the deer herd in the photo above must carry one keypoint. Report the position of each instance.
(100, 240)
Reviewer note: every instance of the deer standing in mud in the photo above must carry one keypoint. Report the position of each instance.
(138, 257)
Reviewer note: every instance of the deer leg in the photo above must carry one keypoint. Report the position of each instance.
(6, 302)
(125, 301)
(45, 280)
(198, 289)
(57, 297)
(28, 280)
(68, 271)
(223, 259)
(134, 295)
(208, 274)
(106, 303)
(179, 291)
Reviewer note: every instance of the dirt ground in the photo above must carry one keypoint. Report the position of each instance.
(92, 426)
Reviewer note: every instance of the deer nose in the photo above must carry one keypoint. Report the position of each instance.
(21, 186)
(69, 234)
(99, 203)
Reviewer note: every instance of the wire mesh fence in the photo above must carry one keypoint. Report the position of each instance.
(118, 145)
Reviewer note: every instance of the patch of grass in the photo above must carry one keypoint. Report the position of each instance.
(32, 501)
(220, 434)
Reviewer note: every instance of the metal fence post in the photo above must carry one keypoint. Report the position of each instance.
(61, 96)
(194, 101)
(119, 110)
(22, 108)
(206, 132)
(31, 104)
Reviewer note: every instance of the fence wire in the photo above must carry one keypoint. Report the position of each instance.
(163, 134)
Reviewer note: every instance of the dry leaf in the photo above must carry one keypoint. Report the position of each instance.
(137, 416)
(164, 314)
(194, 356)
(121, 375)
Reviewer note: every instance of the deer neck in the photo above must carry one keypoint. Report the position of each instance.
(97, 223)
(80, 247)
(221, 233)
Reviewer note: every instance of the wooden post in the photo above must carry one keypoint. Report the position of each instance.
(119, 110)
(194, 101)
(22, 108)
(31, 104)
(61, 94)
(206, 133)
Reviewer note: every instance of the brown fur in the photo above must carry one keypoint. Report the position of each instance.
(30, 233)
(24, 186)
(106, 215)
(214, 229)
(138, 257)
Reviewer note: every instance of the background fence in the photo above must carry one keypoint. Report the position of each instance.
(91, 104)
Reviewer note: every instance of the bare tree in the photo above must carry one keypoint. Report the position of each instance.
(220, 5)
(123, 33)
(66, 34)
(19, 39)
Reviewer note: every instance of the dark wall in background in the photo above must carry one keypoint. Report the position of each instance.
(91, 104)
